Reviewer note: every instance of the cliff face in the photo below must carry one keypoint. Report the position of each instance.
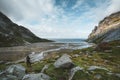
(12, 34)
(107, 30)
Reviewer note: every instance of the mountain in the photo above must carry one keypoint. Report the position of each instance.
(12, 34)
(107, 30)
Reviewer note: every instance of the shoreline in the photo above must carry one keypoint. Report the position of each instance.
(19, 52)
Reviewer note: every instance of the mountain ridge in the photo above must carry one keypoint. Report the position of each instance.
(107, 30)
(12, 34)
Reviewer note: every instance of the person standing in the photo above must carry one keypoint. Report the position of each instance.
(28, 62)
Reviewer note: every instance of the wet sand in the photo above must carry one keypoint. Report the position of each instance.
(19, 52)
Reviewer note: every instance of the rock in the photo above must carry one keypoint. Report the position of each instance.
(20, 61)
(95, 59)
(73, 71)
(118, 46)
(108, 51)
(35, 57)
(80, 52)
(2, 62)
(115, 74)
(98, 76)
(92, 68)
(9, 63)
(107, 30)
(109, 73)
(16, 70)
(76, 55)
(39, 76)
(44, 68)
(106, 61)
(4, 76)
(57, 56)
(11, 77)
(89, 56)
(64, 62)
(1, 73)
(118, 75)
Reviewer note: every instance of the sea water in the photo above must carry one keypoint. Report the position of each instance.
(73, 43)
(68, 40)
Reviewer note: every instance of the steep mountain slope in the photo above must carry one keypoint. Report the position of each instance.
(107, 30)
(12, 34)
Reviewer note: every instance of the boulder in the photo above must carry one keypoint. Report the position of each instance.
(39, 76)
(2, 62)
(114, 74)
(11, 77)
(16, 70)
(73, 71)
(92, 68)
(35, 57)
(118, 75)
(64, 62)
(44, 68)
(4, 76)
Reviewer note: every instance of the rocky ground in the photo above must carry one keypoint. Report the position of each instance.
(93, 63)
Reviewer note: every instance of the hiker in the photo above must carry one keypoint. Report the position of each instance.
(28, 61)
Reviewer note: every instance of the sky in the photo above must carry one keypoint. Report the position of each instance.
(59, 18)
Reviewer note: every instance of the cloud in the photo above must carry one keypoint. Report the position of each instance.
(78, 3)
(114, 6)
(27, 9)
(69, 19)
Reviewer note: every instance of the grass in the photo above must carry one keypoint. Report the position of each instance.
(81, 75)
(57, 73)
(85, 58)
(2, 67)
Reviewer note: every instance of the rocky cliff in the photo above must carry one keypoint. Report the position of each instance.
(12, 34)
(107, 30)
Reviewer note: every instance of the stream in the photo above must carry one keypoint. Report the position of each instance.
(72, 46)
